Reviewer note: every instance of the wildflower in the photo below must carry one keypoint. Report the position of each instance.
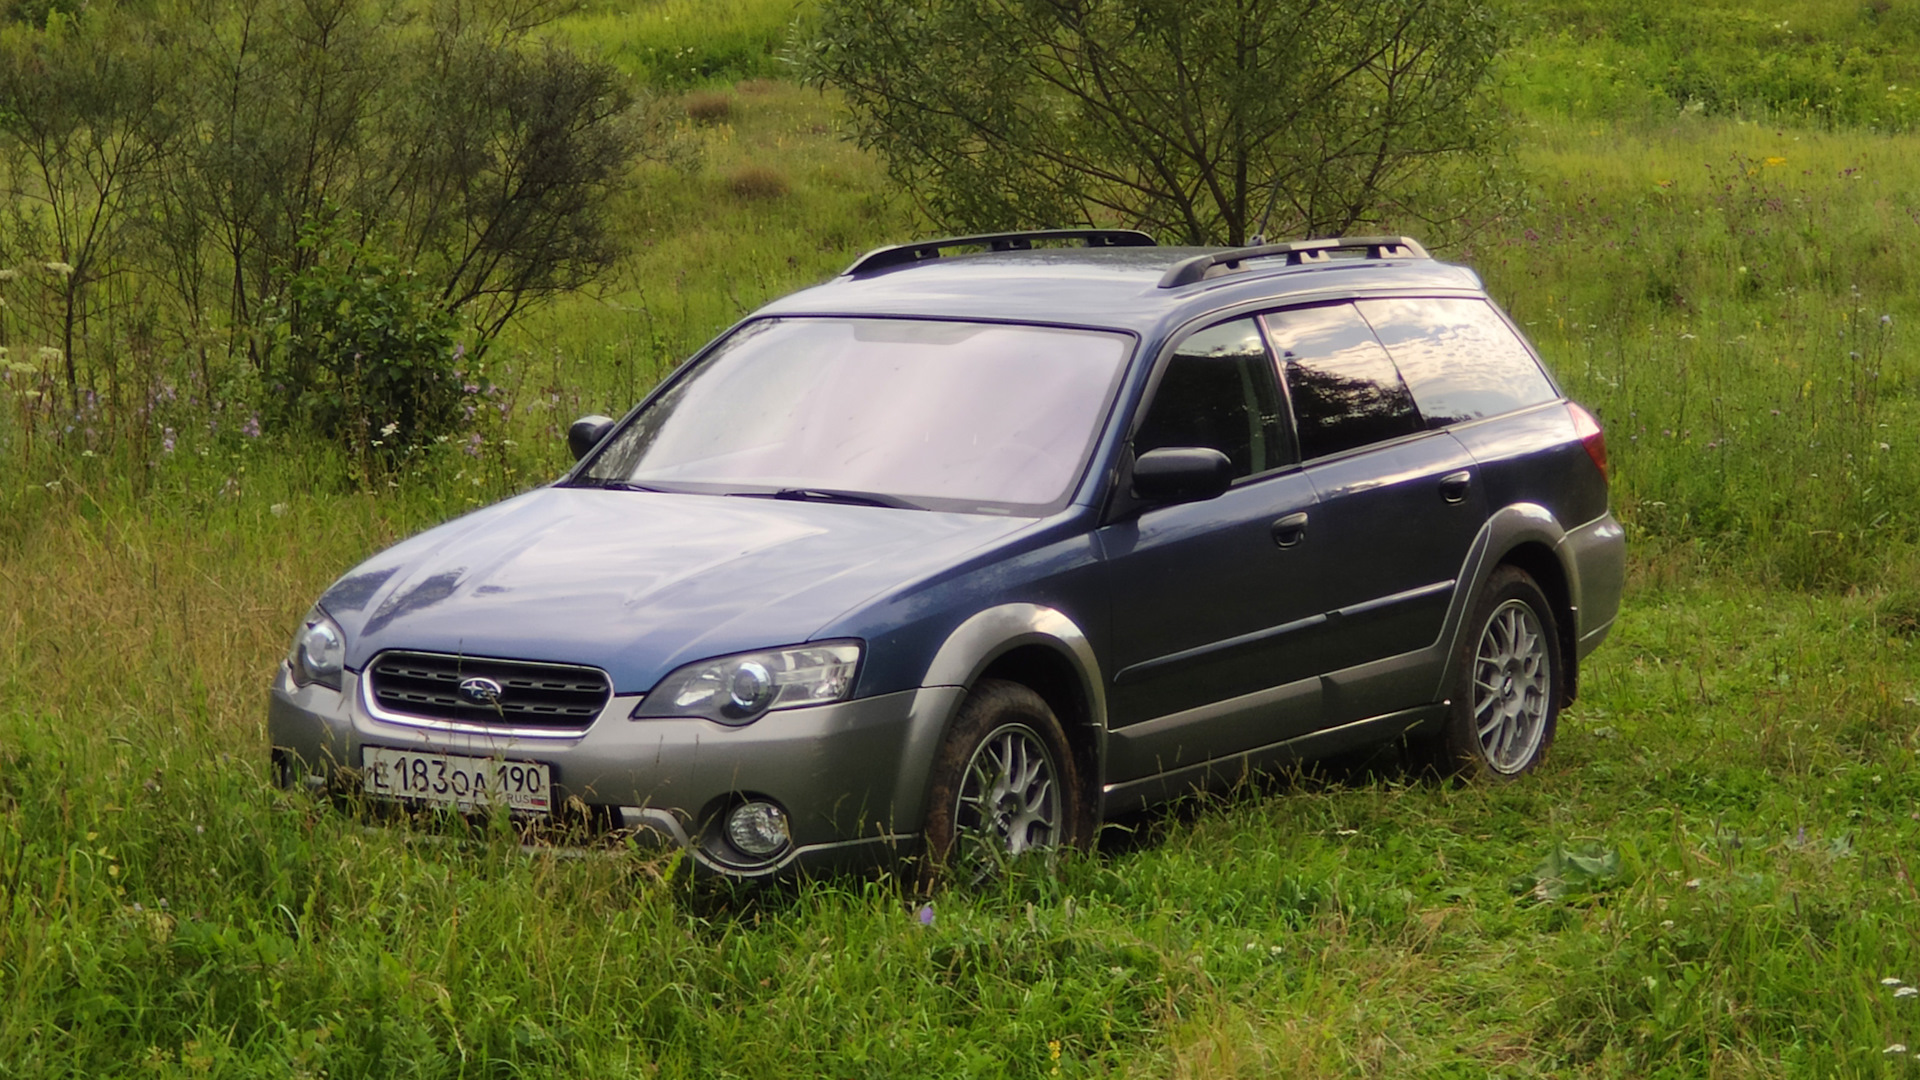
(926, 915)
(1886, 320)
(391, 427)
(61, 268)
(278, 509)
(459, 350)
(470, 388)
(1885, 446)
(473, 445)
(1906, 992)
(166, 441)
(1896, 1048)
(251, 429)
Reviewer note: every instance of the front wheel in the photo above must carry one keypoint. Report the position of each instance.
(1003, 784)
(1506, 682)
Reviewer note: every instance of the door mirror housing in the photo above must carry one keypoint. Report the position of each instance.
(586, 433)
(1181, 474)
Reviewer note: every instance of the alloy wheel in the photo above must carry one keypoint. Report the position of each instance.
(1512, 687)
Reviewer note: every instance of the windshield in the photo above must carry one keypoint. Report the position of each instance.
(943, 415)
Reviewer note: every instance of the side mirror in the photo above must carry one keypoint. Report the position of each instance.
(586, 433)
(1181, 474)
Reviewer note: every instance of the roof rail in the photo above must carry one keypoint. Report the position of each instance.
(1297, 253)
(905, 254)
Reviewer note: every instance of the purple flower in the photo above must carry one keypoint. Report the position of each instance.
(473, 445)
(926, 915)
(166, 441)
(251, 429)
(459, 350)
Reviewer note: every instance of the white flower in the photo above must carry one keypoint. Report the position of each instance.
(1896, 1048)
(1891, 981)
(390, 429)
(1906, 991)
(61, 268)
(278, 509)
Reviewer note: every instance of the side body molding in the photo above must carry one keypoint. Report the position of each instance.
(968, 651)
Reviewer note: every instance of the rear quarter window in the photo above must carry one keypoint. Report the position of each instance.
(1459, 358)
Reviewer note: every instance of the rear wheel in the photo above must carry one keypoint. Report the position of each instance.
(1003, 785)
(1506, 683)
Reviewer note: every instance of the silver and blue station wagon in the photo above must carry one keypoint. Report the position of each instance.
(986, 540)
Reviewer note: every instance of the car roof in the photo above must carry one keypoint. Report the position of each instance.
(1114, 288)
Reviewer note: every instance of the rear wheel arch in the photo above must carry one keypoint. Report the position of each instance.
(1544, 567)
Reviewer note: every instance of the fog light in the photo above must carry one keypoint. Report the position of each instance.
(757, 828)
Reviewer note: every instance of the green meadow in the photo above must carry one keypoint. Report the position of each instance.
(1715, 243)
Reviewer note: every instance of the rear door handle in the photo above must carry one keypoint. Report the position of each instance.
(1453, 486)
(1289, 530)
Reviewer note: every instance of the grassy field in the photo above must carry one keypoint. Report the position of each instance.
(1711, 877)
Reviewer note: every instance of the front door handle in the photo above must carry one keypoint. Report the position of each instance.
(1453, 486)
(1289, 530)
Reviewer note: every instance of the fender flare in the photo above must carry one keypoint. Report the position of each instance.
(1506, 529)
(966, 653)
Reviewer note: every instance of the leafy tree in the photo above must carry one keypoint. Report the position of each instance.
(1204, 121)
(82, 110)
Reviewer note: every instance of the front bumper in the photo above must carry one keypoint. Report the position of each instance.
(851, 776)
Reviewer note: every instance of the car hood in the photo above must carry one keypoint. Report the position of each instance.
(638, 583)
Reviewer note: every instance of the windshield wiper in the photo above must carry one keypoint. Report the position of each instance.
(834, 495)
(620, 485)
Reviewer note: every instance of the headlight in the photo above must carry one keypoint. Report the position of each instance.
(319, 650)
(738, 689)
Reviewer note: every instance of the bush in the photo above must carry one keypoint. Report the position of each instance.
(757, 182)
(368, 355)
(709, 107)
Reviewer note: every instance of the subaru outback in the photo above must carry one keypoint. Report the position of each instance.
(984, 541)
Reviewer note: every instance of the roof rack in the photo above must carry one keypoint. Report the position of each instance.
(905, 254)
(1298, 253)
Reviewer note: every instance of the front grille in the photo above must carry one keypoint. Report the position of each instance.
(426, 686)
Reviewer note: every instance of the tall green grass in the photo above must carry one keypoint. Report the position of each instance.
(1712, 876)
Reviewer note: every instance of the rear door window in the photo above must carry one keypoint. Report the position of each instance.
(1218, 391)
(1459, 357)
(1342, 385)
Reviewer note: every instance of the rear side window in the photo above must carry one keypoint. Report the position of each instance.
(1459, 357)
(1218, 391)
(1344, 389)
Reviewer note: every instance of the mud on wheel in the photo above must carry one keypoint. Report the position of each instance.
(1003, 785)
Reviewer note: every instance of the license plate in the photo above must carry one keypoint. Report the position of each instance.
(464, 783)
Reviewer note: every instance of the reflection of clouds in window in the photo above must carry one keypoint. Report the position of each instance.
(1460, 359)
(1345, 390)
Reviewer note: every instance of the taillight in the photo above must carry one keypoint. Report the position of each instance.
(1591, 436)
